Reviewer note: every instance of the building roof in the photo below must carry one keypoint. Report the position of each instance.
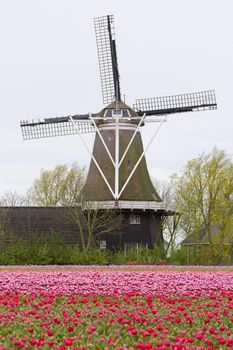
(202, 239)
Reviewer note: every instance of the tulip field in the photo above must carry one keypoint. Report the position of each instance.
(120, 308)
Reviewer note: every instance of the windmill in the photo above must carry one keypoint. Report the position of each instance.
(118, 177)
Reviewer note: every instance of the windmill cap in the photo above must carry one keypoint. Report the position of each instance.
(118, 105)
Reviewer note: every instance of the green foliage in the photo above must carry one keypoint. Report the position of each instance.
(187, 255)
(204, 198)
(191, 255)
(204, 194)
(53, 251)
(50, 250)
(201, 255)
(139, 255)
(90, 257)
(60, 186)
(39, 250)
(178, 257)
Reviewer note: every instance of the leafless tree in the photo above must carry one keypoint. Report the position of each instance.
(95, 222)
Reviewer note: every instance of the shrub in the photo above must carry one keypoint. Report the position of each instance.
(139, 255)
(49, 250)
(94, 256)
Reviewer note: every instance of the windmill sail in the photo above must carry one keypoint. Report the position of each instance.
(106, 48)
(198, 101)
(61, 126)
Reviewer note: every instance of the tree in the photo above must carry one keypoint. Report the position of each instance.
(95, 223)
(7, 200)
(223, 241)
(12, 199)
(60, 186)
(170, 220)
(204, 197)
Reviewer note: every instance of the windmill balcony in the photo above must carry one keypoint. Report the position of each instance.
(130, 205)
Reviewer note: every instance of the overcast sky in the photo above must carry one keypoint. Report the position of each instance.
(49, 68)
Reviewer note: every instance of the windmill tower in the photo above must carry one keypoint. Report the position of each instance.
(118, 177)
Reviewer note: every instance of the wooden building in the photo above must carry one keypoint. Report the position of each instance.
(31, 222)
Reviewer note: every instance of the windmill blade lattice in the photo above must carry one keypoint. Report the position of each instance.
(106, 48)
(55, 127)
(204, 100)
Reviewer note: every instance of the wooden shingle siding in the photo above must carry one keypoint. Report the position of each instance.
(31, 222)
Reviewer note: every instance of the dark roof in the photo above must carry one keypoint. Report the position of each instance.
(202, 239)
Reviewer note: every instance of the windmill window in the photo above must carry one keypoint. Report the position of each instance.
(117, 112)
(103, 244)
(135, 220)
